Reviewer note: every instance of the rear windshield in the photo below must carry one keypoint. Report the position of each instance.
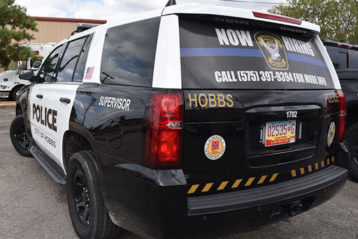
(220, 53)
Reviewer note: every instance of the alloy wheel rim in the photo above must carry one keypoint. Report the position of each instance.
(22, 139)
(81, 197)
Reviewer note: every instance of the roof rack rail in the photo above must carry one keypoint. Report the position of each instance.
(171, 3)
(83, 27)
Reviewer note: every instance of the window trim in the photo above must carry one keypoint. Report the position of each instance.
(55, 71)
(74, 69)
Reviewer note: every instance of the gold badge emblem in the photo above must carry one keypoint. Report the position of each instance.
(215, 147)
(273, 50)
(331, 133)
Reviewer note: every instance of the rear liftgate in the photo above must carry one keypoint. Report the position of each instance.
(256, 101)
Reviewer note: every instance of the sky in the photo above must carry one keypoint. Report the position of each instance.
(111, 9)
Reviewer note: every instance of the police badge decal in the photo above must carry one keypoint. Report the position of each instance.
(273, 50)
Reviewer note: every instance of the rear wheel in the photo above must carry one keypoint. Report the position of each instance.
(18, 136)
(352, 142)
(85, 203)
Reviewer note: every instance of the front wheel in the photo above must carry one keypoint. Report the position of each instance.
(12, 95)
(85, 203)
(18, 136)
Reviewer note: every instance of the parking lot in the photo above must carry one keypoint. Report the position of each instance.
(32, 205)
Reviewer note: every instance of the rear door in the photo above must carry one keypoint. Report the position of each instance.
(255, 105)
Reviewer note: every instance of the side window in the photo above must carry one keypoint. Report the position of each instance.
(48, 69)
(129, 53)
(353, 59)
(81, 64)
(338, 57)
(69, 60)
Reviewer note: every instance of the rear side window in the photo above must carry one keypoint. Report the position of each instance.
(338, 56)
(239, 54)
(129, 53)
(69, 60)
(353, 59)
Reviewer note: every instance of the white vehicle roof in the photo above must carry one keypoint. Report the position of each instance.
(229, 9)
(218, 8)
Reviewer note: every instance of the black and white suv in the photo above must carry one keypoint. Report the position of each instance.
(187, 117)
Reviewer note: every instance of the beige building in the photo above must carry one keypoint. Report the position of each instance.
(53, 29)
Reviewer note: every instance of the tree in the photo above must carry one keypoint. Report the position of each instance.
(15, 27)
(337, 18)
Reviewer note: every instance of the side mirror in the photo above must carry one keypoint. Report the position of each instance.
(36, 65)
(27, 76)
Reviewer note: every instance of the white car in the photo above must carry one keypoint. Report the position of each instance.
(10, 83)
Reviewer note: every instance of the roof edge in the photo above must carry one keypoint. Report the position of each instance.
(76, 20)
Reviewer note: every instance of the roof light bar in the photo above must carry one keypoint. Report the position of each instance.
(277, 18)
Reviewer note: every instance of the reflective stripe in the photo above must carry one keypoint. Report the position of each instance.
(273, 178)
(236, 183)
(223, 185)
(262, 179)
(309, 168)
(193, 189)
(249, 182)
(316, 166)
(207, 187)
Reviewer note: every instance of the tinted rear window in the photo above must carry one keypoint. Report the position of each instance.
(129, 53)
(237, 54)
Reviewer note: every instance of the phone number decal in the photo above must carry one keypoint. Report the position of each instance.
(268, 76)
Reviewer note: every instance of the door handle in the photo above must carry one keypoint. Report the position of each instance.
(65, 100)
(39, 96)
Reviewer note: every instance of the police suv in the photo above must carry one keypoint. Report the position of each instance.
(189, 117)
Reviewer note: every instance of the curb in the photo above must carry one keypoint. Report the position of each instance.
(7, 104)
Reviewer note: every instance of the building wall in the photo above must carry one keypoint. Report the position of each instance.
(53, 30)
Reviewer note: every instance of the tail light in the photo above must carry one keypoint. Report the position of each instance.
(341, 126)
(165, 131)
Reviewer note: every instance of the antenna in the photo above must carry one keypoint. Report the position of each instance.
(171, 3)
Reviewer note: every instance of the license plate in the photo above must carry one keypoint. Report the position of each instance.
(281, 132)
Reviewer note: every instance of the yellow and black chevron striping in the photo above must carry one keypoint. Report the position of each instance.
(312, 167)
(246, 182)
(232, 184)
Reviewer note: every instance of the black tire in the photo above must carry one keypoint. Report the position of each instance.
(12, 95)
(85, 203)
(18, 136)
(352, 142)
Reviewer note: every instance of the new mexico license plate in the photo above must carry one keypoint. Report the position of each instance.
(281, 132)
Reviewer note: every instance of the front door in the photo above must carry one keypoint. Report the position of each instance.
(52, 101)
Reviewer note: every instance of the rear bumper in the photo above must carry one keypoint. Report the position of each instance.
(154, 203)
(286, 191)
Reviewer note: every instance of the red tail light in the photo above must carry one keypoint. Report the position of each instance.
(277, 18)
(346, 46)
(165, 131)
(341, 117)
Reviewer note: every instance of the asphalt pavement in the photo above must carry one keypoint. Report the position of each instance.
(32, 205)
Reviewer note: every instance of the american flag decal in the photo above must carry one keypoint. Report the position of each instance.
(89, 73)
